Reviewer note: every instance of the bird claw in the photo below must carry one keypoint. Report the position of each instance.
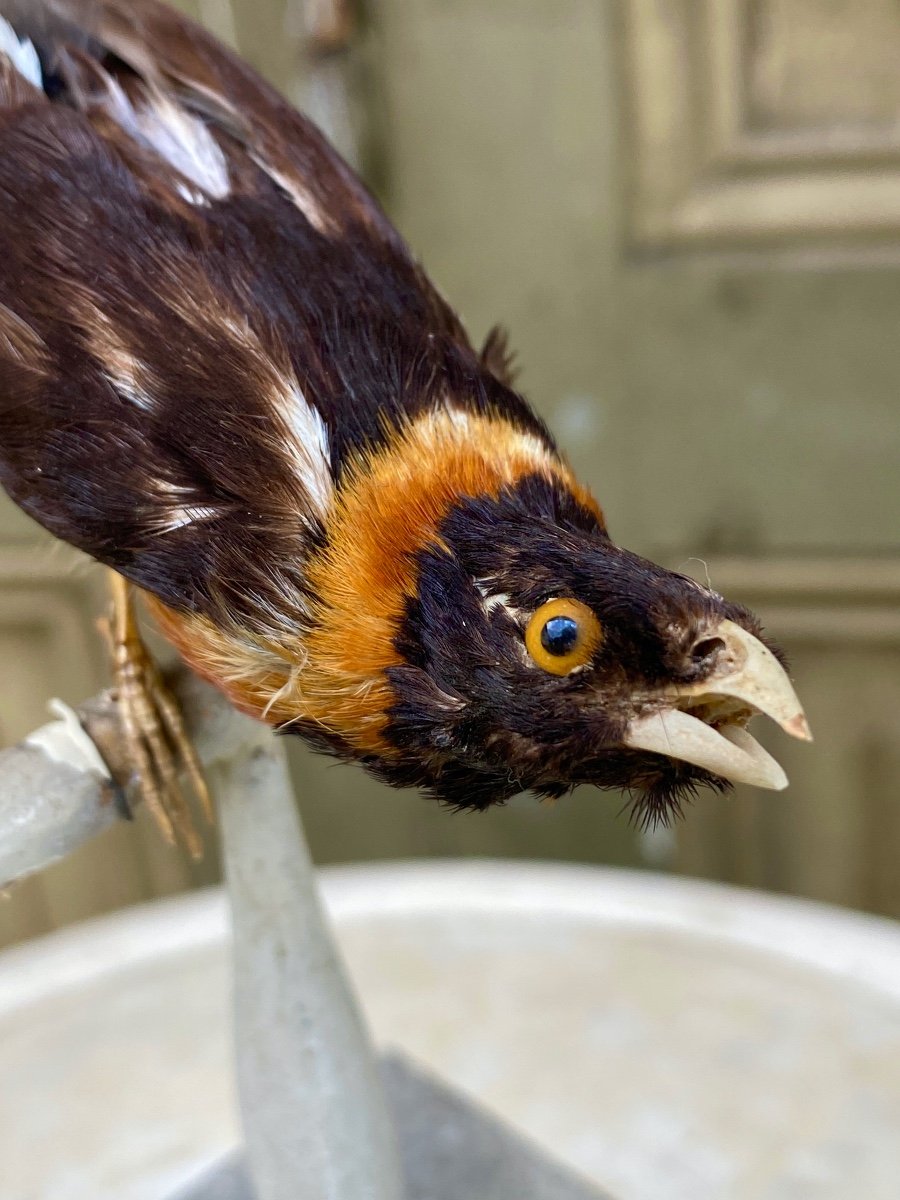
(157, 744)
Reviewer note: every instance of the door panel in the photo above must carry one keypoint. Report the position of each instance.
(688, 215)
(760, 279)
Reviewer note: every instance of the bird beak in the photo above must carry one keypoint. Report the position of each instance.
(704, 723)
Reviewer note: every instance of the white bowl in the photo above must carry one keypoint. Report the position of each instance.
(669, 1039)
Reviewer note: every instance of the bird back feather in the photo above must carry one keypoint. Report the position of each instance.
(204, 315)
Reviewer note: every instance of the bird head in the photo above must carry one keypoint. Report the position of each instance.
(538, 655)
(478, 633)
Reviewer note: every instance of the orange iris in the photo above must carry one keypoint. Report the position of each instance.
(561, 635)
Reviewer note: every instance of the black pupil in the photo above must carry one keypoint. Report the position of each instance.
(559, 636)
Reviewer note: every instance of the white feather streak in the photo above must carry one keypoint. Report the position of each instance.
(302, 198)
(127, 374)
(21, 54)
(181, 139)
(490, 600)
(306, 444)
(177, 518)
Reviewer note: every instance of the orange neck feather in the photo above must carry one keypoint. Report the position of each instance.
(390, 506)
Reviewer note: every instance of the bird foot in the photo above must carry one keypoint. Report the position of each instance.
(158, 747)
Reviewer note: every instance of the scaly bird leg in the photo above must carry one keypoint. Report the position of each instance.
(157, 742)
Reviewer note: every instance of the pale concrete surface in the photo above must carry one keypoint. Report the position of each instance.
(667, 1040)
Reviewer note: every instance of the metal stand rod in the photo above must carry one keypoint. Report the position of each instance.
(314, 1112)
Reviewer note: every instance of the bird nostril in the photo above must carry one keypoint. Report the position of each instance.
(706, 649)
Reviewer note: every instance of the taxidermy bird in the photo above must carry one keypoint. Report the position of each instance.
(223, 375)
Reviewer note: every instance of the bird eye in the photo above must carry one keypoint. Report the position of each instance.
(562, 635)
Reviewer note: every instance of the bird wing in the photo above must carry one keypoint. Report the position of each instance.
(202, 310)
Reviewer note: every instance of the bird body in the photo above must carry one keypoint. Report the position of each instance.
(223, 374)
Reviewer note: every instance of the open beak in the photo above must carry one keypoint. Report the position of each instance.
(705, 723)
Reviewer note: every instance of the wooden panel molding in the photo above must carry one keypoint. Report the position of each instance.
(762, 121)
(841, 601)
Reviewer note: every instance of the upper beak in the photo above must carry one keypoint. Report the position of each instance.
(704, 723)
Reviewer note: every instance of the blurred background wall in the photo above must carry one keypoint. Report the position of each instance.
(687, 212)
